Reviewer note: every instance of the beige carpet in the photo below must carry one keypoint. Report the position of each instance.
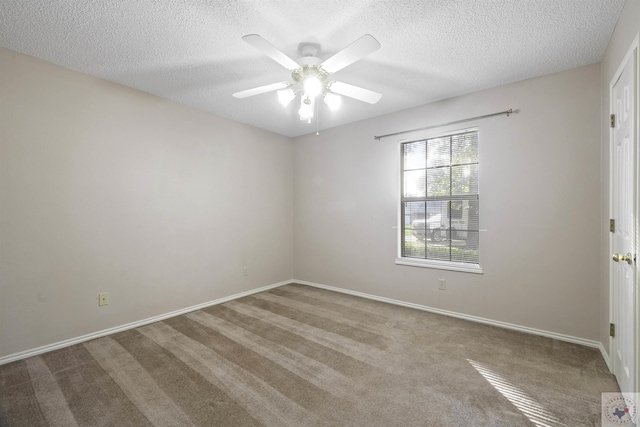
(301, 356)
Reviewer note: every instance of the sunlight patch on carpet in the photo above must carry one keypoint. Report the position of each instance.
(531, 409)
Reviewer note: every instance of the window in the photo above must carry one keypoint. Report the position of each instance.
(439, 208)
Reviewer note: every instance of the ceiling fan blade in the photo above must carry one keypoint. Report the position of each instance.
(355, 92)
(350, 54)
(262, 89)
(271, 51)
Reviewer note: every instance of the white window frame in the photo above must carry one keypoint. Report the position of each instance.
(431, 263)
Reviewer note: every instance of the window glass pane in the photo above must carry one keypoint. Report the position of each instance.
(438, 152)
(457, 211)
(414, 249)
(438, 222)
(438, 182)
(464, 218)
(411, 211)
(464, 148)
(438, 250)
(438, 207)
(472, 212)
(415, 155)
(464, 179)
(467, 250)
(438, 214)
(414, 212)
(414, 183)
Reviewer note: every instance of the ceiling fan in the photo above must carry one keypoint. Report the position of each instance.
(310, 75)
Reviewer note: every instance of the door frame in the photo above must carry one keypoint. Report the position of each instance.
(634, 48)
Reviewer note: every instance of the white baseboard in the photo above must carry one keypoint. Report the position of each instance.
(606, 357)
(505, 325)
(83, 338)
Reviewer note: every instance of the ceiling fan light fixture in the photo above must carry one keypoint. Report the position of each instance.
(285, 96)
(333, 101)
(306, 108)
(312, 86)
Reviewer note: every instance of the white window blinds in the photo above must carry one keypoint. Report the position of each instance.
(440, 199)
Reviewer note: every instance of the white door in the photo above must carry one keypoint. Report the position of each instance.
(623, 211)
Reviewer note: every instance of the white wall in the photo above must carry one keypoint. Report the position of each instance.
(626, 30)
(539, 198)
(107, 189)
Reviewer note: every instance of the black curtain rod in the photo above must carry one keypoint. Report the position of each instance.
(501, 113)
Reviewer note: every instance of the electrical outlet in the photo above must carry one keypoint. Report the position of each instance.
(245, 271)
(103, 298)
(442, 284)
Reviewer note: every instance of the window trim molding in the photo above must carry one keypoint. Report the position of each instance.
(464, 267)
(419, 262)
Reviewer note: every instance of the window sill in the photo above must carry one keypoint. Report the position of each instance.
(441, 265)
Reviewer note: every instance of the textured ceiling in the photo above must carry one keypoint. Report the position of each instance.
(191, 51)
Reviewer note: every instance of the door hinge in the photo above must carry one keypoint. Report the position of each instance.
(613, 120)
(612, 330)
(612, 225)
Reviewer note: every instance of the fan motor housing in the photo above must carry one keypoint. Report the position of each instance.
(299, 75)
